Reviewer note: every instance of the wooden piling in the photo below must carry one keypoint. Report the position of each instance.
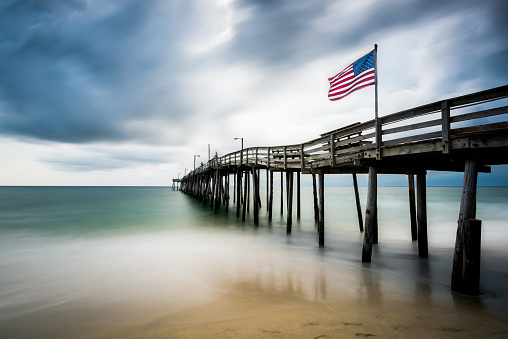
(267, 188)
(207, 187)
(314, 192)
(471, 257)
(289, 194)
(370, 215)
(321, 222)
(244, 207)
(247, 176)
(358, 206)
(238, 192)
(270, 202)
(255, 195)
(421, 212)
(258, 176)
(298, 208)
(226, 192)
(467, 211)
(218, 187)
(281, 193)
(212, 189)
(412, 207)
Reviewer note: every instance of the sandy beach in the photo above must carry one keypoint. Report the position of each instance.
(252, 312)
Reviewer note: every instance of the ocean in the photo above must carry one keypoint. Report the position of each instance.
(86, 257)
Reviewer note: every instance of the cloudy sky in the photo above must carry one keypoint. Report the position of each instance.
(125, 92)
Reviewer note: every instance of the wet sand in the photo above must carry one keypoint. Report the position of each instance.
(271, 297)
(251, 312)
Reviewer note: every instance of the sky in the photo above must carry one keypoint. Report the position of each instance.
(126, 92)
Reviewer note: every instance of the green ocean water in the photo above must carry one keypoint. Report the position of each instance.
(152, 248)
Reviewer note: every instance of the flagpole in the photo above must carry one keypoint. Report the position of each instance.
(375, 78)
(377, 122)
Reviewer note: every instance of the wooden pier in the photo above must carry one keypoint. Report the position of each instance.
(409, 142)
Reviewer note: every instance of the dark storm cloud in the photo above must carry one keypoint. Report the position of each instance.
(85, 71)
(77, 71)
(293, 32)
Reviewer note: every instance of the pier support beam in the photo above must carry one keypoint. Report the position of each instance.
(370, 216)
(247, 178)
(298, 205)
(472, 253)
(226, 191)
(255, 195)
(421, 211)
(281, 193)
(321, 223)
(238, 192)
(462, 274)
(244, 207)
(289, 201)
(270, 202)
(314, 192)
(267, 188)
(412, 207)
(358, 206)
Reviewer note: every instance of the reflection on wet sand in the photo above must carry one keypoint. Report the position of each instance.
(299, 301)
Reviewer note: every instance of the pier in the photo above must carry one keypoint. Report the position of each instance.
(462, 134)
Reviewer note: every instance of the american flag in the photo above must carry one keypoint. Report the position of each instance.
(358, 75)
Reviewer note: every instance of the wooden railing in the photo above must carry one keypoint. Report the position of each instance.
(366, 139)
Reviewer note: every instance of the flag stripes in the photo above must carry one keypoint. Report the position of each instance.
(358, 75)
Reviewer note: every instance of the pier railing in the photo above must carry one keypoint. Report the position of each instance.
(371, 139)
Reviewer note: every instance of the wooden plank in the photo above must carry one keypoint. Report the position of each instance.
(405, 128)
(345, 128)
(326, 146)
(412, 113)
(479, 114)
(498, 92)
(498, 126)
(412, 138)
(493, 141)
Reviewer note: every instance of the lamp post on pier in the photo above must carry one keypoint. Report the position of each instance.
(195, 155)
(242, 141)
(241, 152)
